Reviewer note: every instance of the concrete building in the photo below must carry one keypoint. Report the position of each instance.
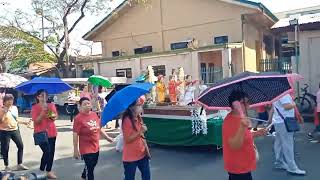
(308, 41)
(211, 39)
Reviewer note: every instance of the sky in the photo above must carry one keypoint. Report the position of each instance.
(89, 21)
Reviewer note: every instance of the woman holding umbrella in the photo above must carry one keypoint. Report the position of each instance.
(135, 150)
(44, 115)
(238, 146)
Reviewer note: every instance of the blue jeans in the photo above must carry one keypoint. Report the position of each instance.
(130, 169)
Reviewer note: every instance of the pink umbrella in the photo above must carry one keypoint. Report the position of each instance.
(262, 88)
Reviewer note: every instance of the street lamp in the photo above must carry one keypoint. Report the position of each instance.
(295, 22)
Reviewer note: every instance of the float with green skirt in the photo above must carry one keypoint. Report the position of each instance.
(182, 126)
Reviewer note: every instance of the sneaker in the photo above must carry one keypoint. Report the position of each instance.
(310, 136)
(51, 175)
(298, 172)
(274, 134)
(7, 169)
(314, 141)
(22, 167)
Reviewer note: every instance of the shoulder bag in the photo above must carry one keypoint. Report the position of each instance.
(291, 123)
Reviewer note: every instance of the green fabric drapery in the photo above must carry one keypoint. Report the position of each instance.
(178, 132)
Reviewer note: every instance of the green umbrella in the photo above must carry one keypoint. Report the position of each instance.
(100, 81)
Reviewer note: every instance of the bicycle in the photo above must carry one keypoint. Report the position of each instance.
(307, 101)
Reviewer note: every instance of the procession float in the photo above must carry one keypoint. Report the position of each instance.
(171, 115)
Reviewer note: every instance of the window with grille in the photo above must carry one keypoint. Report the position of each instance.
(221, 40)
(159, 70)
(143, 50)
(126, 72)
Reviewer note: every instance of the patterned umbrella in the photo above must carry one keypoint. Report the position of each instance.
(262, 88)
(8, 80)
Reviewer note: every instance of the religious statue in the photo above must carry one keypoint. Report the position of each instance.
(172, 87)
(181, 87)
(189, 91)
(174, 74)
(152, 79)
(161, 89)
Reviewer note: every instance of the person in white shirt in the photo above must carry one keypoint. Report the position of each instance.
(284, 141)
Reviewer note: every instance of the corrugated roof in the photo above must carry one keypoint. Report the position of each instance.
(304, 19)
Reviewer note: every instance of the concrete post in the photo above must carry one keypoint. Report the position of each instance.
(96, 68)
(79, 69)
(195, 65)
(226, 63)
(136, 69)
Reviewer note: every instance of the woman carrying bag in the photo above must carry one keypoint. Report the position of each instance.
(45, 132)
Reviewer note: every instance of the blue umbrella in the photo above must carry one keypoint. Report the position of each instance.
(121, 100)
(51, 85)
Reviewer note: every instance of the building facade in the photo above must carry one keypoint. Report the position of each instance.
(210, 39)
(307, 38)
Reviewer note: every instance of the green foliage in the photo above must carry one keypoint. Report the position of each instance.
(22, 48)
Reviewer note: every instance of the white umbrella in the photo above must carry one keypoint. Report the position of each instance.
(8, 80)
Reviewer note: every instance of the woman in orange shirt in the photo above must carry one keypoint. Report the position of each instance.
(135, 151)
(238, 146)
(43, 115)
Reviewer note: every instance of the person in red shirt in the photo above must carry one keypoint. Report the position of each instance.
(238, 146)
(135, 150)
(86, 136)
(43, 115)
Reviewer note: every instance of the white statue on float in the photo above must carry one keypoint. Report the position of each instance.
(189, 91)
(152, 79)
(182, 86)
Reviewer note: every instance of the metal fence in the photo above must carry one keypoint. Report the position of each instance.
(276, 65)
(211, 74)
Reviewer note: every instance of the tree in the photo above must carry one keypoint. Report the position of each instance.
(17, 45)
(63, 16)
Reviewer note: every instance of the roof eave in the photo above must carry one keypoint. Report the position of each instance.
(91, 32)
(250, 4)
(254, 5)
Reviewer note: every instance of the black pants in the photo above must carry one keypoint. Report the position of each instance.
(73, 110)
(5, 138)
(48, 150)
(245, 176)
(91, 161)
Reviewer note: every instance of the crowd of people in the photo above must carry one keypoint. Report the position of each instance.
(240, 154)
(86, 135)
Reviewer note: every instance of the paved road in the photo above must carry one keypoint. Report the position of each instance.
(168, 163)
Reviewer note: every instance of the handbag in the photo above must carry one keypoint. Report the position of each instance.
(291, 123)
(40, 138)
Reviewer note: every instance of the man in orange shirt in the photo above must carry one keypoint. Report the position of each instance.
(238, 145)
